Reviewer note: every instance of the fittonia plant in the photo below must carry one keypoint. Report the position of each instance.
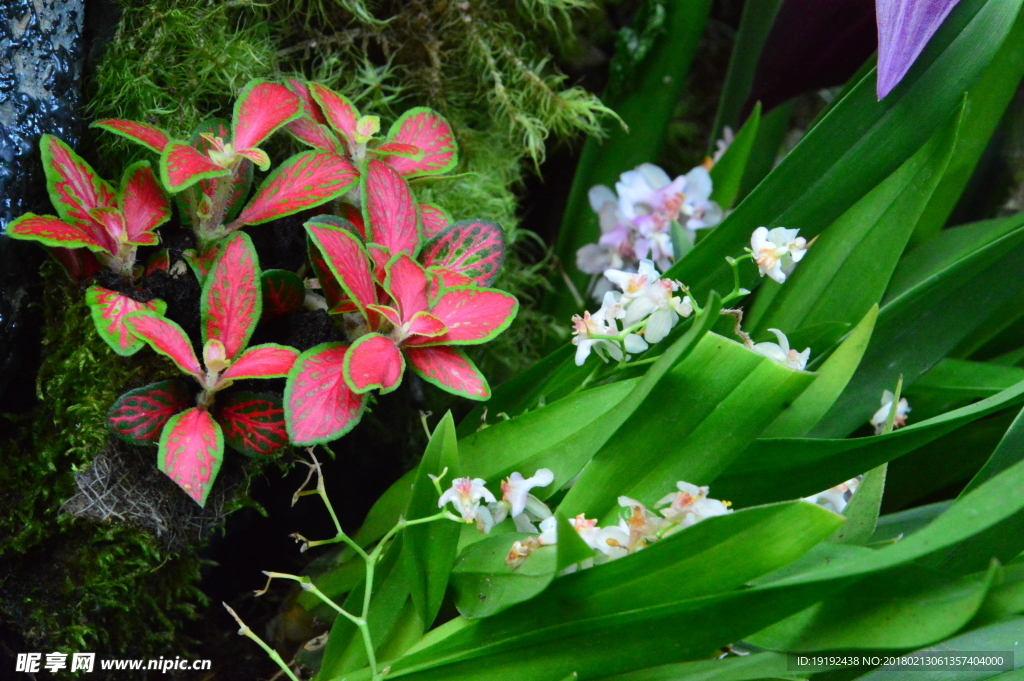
(404, 305)
(98, 227)
(191, 439)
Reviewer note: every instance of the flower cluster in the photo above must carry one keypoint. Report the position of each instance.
(881, 416)
(782, 354)
(646, 305)
(637, 527)
(636, 219)
(777, 251)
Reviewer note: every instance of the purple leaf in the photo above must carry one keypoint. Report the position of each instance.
(904, 28)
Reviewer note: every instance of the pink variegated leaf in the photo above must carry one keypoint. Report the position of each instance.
(387, 312)
(380, 257)
(449, 369)
(142, 133)
(472, 248)
(309, 105)
(143, 204)
(346, 259)
(74, 187)
(269, 360)
(374, 362)
(433, 220)
(426, 325)
(79, 263)
(428, 130)
(241, 181)
(440, 279)
(303, 181)
(311, 127)
(473, 315)
(232, 301)
(182, 165)
(283, 292)
(166, 337)
(158, 262)
(389, 210)
(318, 404)
(253, 423)
(139, 415)
(191, 451)
(406, 283)
(399, 149)
(109, 308)
(340, 113)
(256, 156)
(108, 227)
(51, 231)
(202, 263)
(261, 109)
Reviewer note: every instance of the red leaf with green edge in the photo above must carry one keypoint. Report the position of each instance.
(109, 308)
(261, 109)
(143, 204)
(388, 209)
(79, 263)
(283, 292)
(311, 127)
(166, 337)
(379, 256)
(318, 404)
(442, 278)
(158, 262)
(191, 450)
(355, 217)
(406, 283)
(426, 325)
(374, 362)
(429, 131)
(473, 315)
(433, 220)
(269, 360)
(181, 166)
(399, 149)
(389, 313)
(74, 187)
(232, 302)
(330, 287)
(108, 227)
(142, 133)
(202, 263)
(253, 423)
(339, 111)
(256, 156)
(472, 248)
(449, 369)
(51, 231)
(188, 200)
(303, 181)
(139, 415)
(346, 259)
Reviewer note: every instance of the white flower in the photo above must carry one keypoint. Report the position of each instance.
(518, 503)
(641, 525)
(836, 498)
(690, 505)
(776, 252)
(646, 295)
(782, 354)
(465, 494)
(881, 416)
(700, 210)
(584, 330)
(548, 532)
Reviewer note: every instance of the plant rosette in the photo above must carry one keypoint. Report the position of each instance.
(407, 305)
(191, 439)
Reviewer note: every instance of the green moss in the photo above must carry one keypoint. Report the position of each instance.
(79, 585)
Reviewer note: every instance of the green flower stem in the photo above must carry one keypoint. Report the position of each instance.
(244, 630)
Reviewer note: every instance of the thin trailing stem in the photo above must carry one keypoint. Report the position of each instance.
(244, 630)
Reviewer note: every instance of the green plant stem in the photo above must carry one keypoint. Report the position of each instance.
(244, 630)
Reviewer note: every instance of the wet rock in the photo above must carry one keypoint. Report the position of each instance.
(40, 77)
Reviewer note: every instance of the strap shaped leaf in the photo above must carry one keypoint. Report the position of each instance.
(472, 248)
(109, 309)
(232, 301)
(253, 423)
(139, 415)
(51, 231)
(191, 451)
(431, 133)
(318, 404)
(303, 181)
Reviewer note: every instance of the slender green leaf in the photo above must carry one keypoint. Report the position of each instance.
(727, 174)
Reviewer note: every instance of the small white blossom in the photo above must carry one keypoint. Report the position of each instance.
(776, 252)
(782, 354)
(519, 504)
(646, 295)
(881, 416)
(690, 505)
(836, 498)
(466, 494)
(641, 525)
